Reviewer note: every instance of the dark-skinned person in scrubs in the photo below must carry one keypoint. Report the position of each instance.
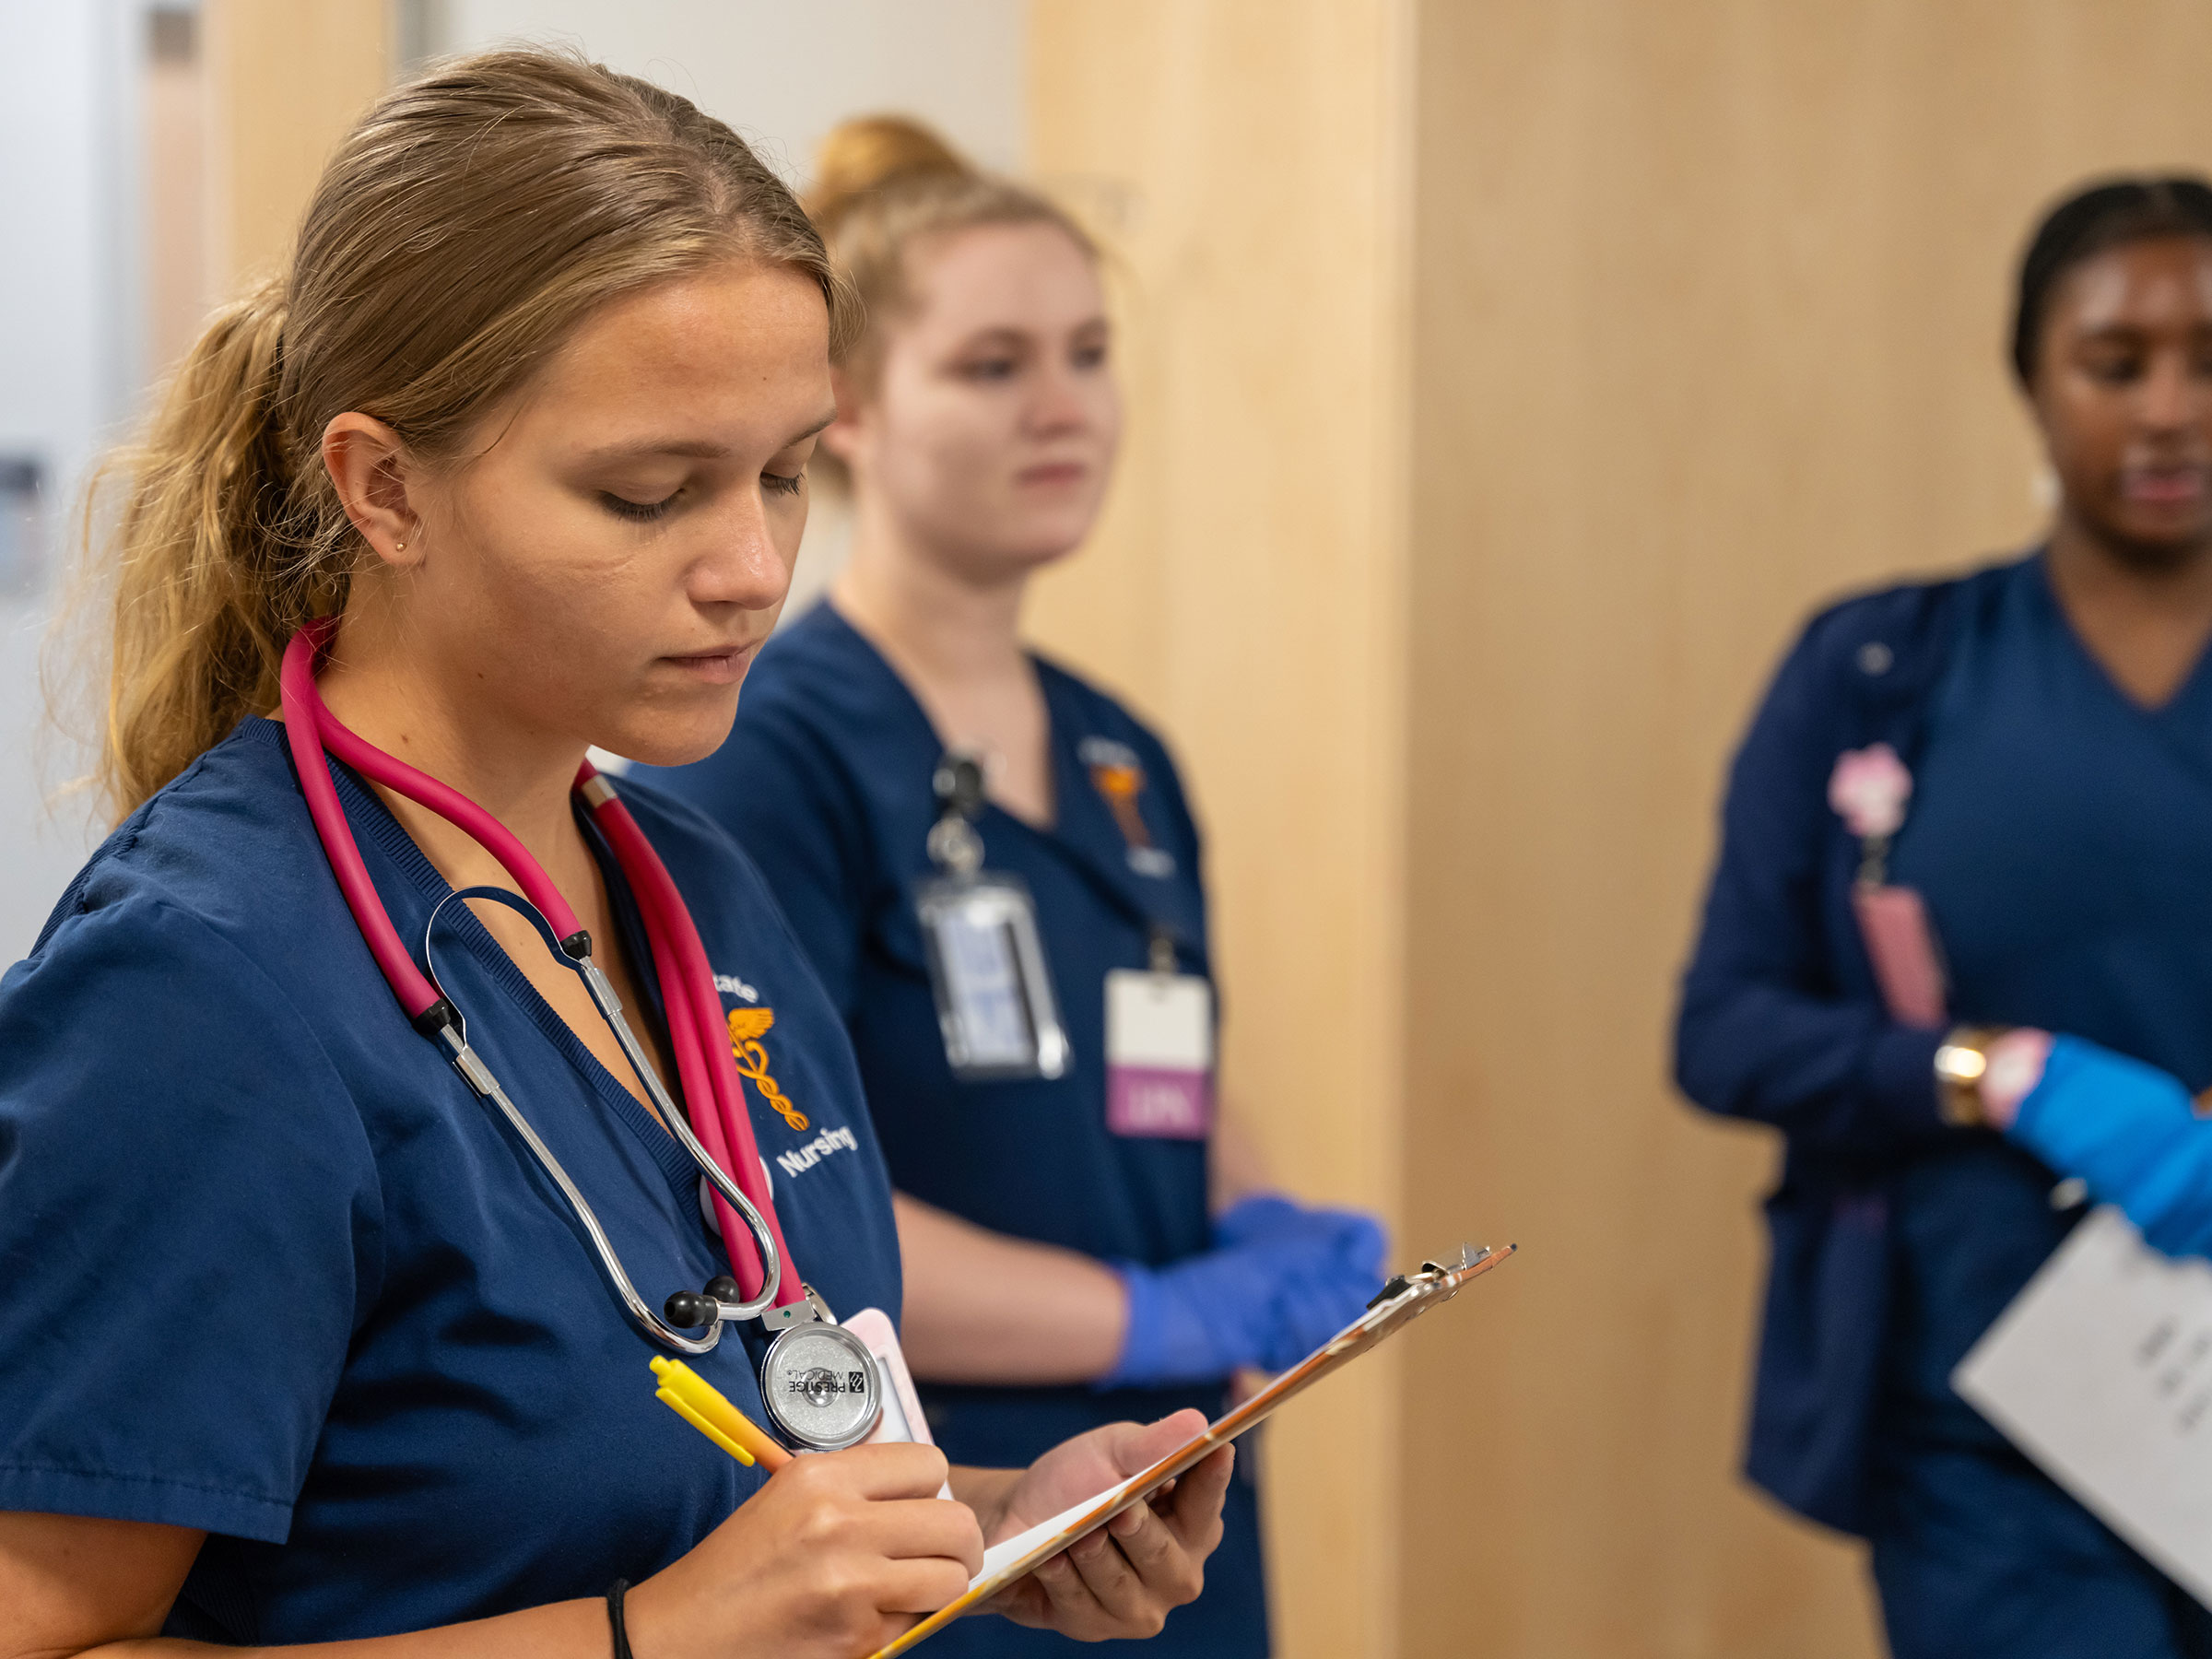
(1081, 1239)
(298, 1342)
(1959, 950)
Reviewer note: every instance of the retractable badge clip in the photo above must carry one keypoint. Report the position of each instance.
(1869, 789)
(987, 970)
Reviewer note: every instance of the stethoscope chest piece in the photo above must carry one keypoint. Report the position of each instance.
(819, 1381)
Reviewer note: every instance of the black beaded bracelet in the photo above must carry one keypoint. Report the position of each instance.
(615, 1592)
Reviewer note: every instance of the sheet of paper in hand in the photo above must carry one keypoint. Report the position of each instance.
(1401, 1300)
(2101, 1371)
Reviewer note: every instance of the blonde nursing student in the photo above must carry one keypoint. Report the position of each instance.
(302, 1337)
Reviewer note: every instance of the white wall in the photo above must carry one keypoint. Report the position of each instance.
(785, 72)
(69, 372)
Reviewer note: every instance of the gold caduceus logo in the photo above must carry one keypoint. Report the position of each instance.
(747, 1027)
(1122, 782)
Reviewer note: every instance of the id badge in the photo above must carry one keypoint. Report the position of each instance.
(1900, 945)
(987, 971)
(1160, 1055)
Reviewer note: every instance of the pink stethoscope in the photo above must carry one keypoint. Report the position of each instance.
(729, 1158)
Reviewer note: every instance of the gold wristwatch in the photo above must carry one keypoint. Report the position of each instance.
(1959, 1065)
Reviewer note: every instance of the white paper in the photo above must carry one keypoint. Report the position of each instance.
(2101, 1372)
(996, 1557)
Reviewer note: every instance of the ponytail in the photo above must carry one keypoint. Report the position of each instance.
(208, 585)
(461, 231)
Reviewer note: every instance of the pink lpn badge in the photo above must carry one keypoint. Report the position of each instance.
(1160, 1055)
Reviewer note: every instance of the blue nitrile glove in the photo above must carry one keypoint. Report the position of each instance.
(1318, 1295)
(1269, 1218)
(2131, 1133)
(1280, 1281)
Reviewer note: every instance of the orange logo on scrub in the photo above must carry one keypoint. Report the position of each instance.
(748, 1026)
(1119, 777)
(1120, 783)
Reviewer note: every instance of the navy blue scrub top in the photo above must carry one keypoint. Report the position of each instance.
(826, 781)
(272, 1271)
(2061, 836)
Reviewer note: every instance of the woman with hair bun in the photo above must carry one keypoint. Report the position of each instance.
(992, 867)
(316, 1327)
(1972, 814)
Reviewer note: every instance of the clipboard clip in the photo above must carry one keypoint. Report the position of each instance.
(1398, 1284)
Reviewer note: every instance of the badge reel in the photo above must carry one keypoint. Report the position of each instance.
(987, 970)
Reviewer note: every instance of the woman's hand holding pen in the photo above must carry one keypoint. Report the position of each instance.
(1125, 1578)
(834, 1557)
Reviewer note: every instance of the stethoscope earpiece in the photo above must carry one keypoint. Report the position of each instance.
(687, 1310)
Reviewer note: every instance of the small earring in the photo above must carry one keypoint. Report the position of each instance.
(399, 547)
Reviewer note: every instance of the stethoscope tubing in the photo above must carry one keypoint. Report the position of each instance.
(480, 1077)
(724, 1146)
(296, 687)
(691, 1005)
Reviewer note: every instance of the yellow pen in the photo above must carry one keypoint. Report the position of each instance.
(701, 1403)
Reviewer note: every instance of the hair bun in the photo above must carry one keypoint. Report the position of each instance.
(868, 152)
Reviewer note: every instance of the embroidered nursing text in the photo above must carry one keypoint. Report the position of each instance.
(799, 1160)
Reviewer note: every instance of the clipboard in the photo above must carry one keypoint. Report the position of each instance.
(1401, 1300)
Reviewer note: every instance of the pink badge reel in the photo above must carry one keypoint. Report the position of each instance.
(901, 1421)
(1901, 944)
(1868, 790)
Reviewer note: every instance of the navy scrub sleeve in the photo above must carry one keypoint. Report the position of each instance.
(272, 1272)
(825, 780)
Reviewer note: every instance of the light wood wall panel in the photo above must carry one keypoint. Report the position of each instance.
(1246, 160)
(1507, 380)
(287, 80)
(175, 119)
(1710, 300)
